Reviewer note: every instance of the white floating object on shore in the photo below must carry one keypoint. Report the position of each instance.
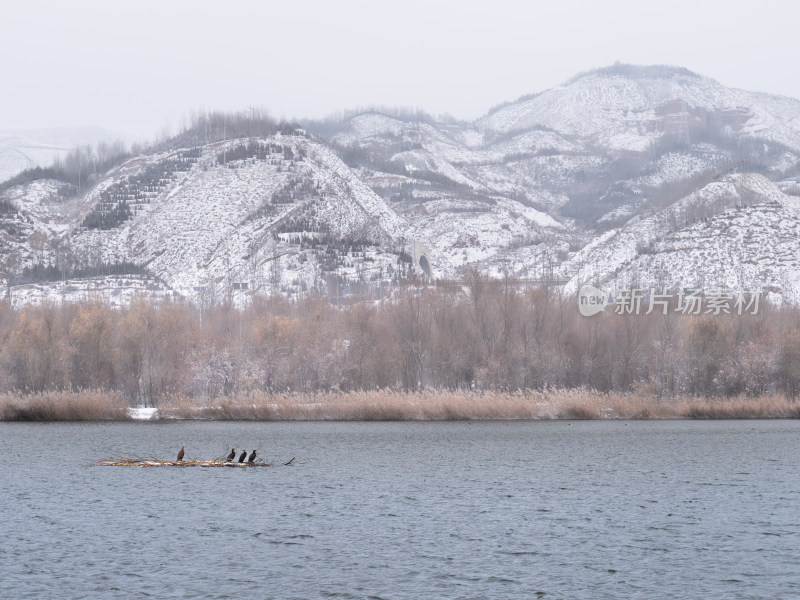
(141, 413)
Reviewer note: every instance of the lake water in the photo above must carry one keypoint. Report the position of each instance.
(675, 509)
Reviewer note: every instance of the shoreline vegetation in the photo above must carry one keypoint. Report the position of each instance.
(387, 405)
(476, 350)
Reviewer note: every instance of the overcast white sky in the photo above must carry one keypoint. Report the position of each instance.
(138, 66)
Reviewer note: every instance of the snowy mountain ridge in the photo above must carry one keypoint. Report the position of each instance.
(627, 174)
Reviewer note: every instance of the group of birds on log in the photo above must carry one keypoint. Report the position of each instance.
(230, 456)
(242, 456)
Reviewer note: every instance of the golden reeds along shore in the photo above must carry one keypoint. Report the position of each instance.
(388, 405)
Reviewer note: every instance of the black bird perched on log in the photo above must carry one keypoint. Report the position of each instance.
(243, 456)
(231, 456)
(180, 454)
(252, 457)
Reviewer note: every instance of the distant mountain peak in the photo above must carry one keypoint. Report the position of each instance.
(638, 72)
(633, 75)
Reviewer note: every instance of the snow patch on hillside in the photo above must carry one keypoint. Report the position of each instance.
(114, 291)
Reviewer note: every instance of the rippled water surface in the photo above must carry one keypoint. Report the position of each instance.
(404, 510)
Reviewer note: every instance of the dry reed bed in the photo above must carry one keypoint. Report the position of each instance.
(83, 405)
(387, 405)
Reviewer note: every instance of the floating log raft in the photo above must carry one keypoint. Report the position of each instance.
(152, 462)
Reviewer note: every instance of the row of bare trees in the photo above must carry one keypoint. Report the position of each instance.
(485, 335)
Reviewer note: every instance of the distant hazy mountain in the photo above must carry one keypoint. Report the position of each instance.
(627, 174)
(26, 148)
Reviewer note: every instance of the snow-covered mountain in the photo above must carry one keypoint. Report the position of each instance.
(650, 175)
(600, 155)
(627, 108)
(740, 233)
(275, 214)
